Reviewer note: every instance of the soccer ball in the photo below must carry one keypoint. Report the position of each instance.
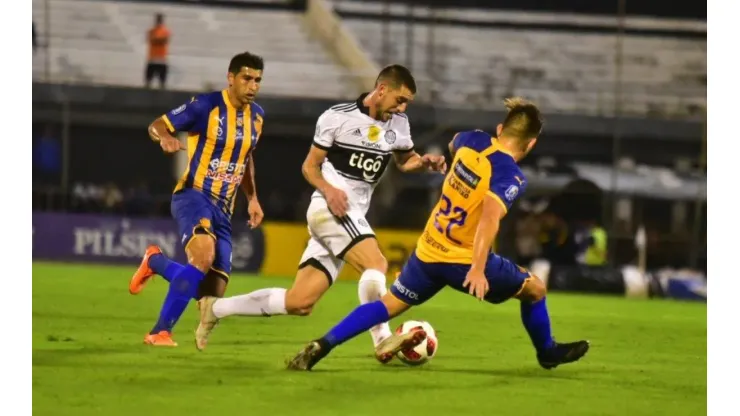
(422, 352)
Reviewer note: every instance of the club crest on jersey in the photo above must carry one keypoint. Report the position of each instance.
(240, 121)
(390, 137)
(373, 134)
(511, 192)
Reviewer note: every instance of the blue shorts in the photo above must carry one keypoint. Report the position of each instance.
(420, 281)
(196, 214)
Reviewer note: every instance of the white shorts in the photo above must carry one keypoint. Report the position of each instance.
(332, 237)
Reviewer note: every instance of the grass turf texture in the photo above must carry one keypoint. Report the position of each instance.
(647, 356)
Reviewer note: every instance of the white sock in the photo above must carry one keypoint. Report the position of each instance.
(372, 288)
(263, 302)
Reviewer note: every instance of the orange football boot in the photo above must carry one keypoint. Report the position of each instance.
(160, 339)
(144, 272)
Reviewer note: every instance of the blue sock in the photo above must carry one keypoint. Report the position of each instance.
(358, 321)
(537, 322)
(165, 267)
(183, 287)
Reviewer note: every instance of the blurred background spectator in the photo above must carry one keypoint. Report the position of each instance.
(158, 38)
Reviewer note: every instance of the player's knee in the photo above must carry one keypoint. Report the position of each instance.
(367, 255)
(202, 260)
(375, 261)
(534, 290)
(380, 264)
(201, 253)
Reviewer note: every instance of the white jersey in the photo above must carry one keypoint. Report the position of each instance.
(359, 149)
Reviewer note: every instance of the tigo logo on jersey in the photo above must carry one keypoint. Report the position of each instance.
(373, 133)
(511, 192)
(369, 166)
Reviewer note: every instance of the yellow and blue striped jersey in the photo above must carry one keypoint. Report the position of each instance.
(221, 139)
(480, 167)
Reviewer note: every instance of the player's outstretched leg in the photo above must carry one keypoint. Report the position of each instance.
(536, 320)
(358, 321)
(183, 287)
(310, 284)
(262, 302)
(366, 257)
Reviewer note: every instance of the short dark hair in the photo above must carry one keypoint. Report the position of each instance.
(159, 18)
(247, 59)
(523, 119)
(397, 75)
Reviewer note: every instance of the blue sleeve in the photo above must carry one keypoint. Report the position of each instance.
(506, 184)
(184, 117)
(258, 110)
(475, 139)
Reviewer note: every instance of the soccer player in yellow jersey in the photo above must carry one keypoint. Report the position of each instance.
(454, 249)
(223, 130)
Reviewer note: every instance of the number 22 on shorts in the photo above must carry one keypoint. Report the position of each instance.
(457, 218)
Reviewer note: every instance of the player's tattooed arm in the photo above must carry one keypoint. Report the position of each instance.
(160, 133)
(336, 199)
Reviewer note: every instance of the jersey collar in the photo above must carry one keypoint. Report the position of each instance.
(497, 146)
(227, 101)
(360, 106)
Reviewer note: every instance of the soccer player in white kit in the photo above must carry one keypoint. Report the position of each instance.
(352, 146)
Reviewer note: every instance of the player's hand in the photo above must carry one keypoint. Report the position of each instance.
(337, 201)
(477, 282)
(255, 213)
(435, 163)
(171, 145)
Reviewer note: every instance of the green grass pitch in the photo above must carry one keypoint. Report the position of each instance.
(647, 357)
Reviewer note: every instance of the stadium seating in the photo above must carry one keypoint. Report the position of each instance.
(568, 72)
(103, 42)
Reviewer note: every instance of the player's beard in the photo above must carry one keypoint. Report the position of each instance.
(382, 114)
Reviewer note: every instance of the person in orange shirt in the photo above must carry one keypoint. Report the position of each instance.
(159, 41)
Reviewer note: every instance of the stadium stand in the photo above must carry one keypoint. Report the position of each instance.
(480, 56)
(469, 65)
(100, 42)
